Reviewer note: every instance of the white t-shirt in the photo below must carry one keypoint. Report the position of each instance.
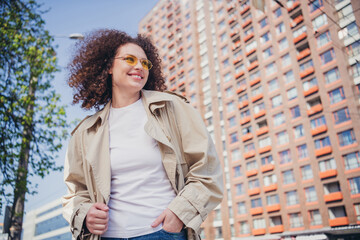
(140, 188)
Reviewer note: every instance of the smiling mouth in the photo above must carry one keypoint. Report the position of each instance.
(136, 76)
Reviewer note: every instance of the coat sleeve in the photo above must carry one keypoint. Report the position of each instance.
(203, 189)
(76, 202)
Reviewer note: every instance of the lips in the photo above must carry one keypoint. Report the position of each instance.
(136, 75)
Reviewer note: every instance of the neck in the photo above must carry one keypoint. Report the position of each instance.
(124, 99)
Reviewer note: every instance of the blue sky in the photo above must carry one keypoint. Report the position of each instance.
(80, 16)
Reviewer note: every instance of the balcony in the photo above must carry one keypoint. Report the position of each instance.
(328, 173)
(323, 151)
(259, 231)
(335, 196)
(300, 37)
(230, 7)
(318, 130)
(273, 208)
(237, 60)
(180, 72)
(270, 188)
(293, 6)
(256, 210)
(262, 131)
(248, 37)
(249, 154)
(245, 24)
(257, 97)
(172, 78)
(236, 45)
(251, 173)
(234, 32)
(307, 72)
(311, 90)
(180, 60)
(233, 19)
(173, 89)
(239, 74)
(296, 21)
(252, 66)
(241, 89)
(315, 109)
(267, 167)
(259, 114)
(341, 221)
(254, 191)
(303, 54)
(250, 52)
(247, 137)
(276, 229)
(181, 83)
(265, 149)
(256, 80)
(243, 104)
(245, 9)
(245, 120)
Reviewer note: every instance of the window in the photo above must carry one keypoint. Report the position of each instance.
(272, 199)
(256, 91)
(232, 121)
(299, 31)
(267, 160)
(346, 137)
(267, 52)
(223, 37)
(355, 70)
(327, 164)
(280, 28)
(322, 142)
(319, 21)
(336, 95)
(273, 85)
(251, 165)
(235, 155)
(278, 119)
(283, 44)
(243, 97)
(222, 24)
(249, 147)
(282, 137)
(323, 39)
(229, 92)
(310, 194)
(275, 221)
(248, 31)
(309, 84)
(259, 223)
(317, 122)
(299, 131)
(302, 151)
(270, 179)
(306, 65)
(245, 114)
(285, 60)
(354, 49)
(226, 63)
(264, 142)
(292, 198)
(277, 13)
(241, 208)
(270, 68)
(296, 220)
(332, 75)
(276, 101)
(239, 189)
(259, 107)
(288, 176)
(327, 56)
(315, 4)
(352, 160)
(285, 156)
(234, 137)
(315, 217)
(357, 211)
(224, 50)
(230, 106)
(292, 93)
(263, 23)
(350, 30)
(289, 77)
(244, 227)
(237, 171)
(346, 12)
(337, 212)
(249, 47)
(306, 172)
(265, 37)
(354, 185)
(295, 112)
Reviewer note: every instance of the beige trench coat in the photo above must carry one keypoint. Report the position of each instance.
(196, 177)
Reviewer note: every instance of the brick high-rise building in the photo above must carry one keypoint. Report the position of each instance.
(279, 92)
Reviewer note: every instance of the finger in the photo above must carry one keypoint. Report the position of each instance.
(158, 220)
(100, 214)
(101, 206)
(99, 227)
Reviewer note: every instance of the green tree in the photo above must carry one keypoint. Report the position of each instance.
(33, 124)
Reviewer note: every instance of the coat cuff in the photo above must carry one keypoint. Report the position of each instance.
(186, 212)
(78, 218)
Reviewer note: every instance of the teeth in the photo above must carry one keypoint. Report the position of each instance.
(136, 76)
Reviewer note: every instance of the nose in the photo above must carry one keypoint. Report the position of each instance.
(138, 65)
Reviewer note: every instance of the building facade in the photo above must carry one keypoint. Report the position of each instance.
(46, 223)
(279, 91)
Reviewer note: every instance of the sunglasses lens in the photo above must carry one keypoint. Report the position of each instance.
(131, 60)
(146, 64)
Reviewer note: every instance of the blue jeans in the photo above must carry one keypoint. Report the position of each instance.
(159, 235)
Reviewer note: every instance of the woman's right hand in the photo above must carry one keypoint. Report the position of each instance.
(97, 218)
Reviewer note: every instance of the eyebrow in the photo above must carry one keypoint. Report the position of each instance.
(136, 56)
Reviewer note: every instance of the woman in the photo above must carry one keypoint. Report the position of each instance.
(144, 166)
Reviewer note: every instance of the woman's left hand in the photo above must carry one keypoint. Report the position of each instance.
(171, 223)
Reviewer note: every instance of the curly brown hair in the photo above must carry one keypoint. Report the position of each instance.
(93, 58)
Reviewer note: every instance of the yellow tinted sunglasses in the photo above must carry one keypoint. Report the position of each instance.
(132, 61)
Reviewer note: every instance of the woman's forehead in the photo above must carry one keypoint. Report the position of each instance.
(132, 48)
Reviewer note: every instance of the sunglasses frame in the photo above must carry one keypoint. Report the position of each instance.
(144, 62)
